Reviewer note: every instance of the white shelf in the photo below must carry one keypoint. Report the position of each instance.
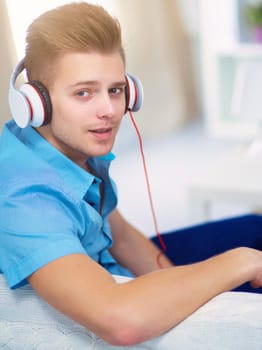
(225, 43)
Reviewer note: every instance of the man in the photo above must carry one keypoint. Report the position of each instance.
(60, 229)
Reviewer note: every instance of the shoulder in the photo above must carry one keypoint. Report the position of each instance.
(20, 163)
(17, 159)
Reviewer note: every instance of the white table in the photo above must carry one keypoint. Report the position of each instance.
(236, 177)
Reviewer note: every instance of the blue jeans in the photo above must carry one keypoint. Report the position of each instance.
(199, 242)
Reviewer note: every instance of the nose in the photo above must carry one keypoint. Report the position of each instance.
(105, 106)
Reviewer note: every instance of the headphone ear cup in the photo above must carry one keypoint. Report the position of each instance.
(39, 102)
(20, 107)
(134, 93)
(31, 103)
(18, 103)
(46, 100)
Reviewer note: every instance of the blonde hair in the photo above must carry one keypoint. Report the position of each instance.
(75, 27)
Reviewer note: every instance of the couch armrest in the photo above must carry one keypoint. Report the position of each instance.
(232, 320)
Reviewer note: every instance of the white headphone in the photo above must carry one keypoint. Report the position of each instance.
(31, 104)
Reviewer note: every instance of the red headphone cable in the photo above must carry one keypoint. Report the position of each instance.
(160, 238)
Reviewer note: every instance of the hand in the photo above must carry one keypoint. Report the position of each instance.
(256, 282)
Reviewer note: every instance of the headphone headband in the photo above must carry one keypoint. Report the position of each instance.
(18, 69)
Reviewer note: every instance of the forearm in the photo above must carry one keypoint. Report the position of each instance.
(135, 251)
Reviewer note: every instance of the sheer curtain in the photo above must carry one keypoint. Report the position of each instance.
(158, 51)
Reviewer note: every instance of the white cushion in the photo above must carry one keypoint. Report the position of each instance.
(232, 320)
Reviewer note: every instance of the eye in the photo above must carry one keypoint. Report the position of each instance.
(116, 90)
(83, 93)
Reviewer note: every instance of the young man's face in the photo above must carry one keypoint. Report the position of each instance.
(88, 101)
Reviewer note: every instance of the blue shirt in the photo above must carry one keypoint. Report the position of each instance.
(50, 207)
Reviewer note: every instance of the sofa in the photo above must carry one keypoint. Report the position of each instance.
(232, 320)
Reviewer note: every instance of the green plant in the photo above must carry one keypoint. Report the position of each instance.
(254, 15)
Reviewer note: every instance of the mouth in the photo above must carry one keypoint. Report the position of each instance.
(101, 133)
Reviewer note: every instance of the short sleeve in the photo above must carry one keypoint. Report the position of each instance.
(38, 224)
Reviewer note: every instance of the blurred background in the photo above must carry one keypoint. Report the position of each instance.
(200, 62)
